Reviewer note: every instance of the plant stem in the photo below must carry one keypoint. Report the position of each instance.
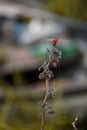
(47, 91)
(74, 123)
(44, 105)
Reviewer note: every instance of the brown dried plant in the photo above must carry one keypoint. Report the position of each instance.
(53, 60)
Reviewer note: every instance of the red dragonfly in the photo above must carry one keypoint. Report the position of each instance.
(55, 41)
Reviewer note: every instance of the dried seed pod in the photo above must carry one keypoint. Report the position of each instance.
(43, 66)
(50, 74)
(53, 95)
(42, 75)
(54, 61)
(55, 51)
(51, 112)
(54, 64)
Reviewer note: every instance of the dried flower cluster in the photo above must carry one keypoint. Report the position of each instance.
(54, 57)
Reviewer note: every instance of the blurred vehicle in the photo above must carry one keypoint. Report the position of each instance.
(29, 58)
(27, 24)
(39, 28)
(70, 51)
(23, 26)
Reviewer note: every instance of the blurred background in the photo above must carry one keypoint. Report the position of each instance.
(23, 25)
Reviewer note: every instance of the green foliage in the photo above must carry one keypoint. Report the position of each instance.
(72, 8)
(3, 56)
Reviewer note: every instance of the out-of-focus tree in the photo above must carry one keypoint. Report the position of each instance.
(72, 8)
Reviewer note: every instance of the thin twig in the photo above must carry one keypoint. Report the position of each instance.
(74, 123)
(44, 105)
(47, 89)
